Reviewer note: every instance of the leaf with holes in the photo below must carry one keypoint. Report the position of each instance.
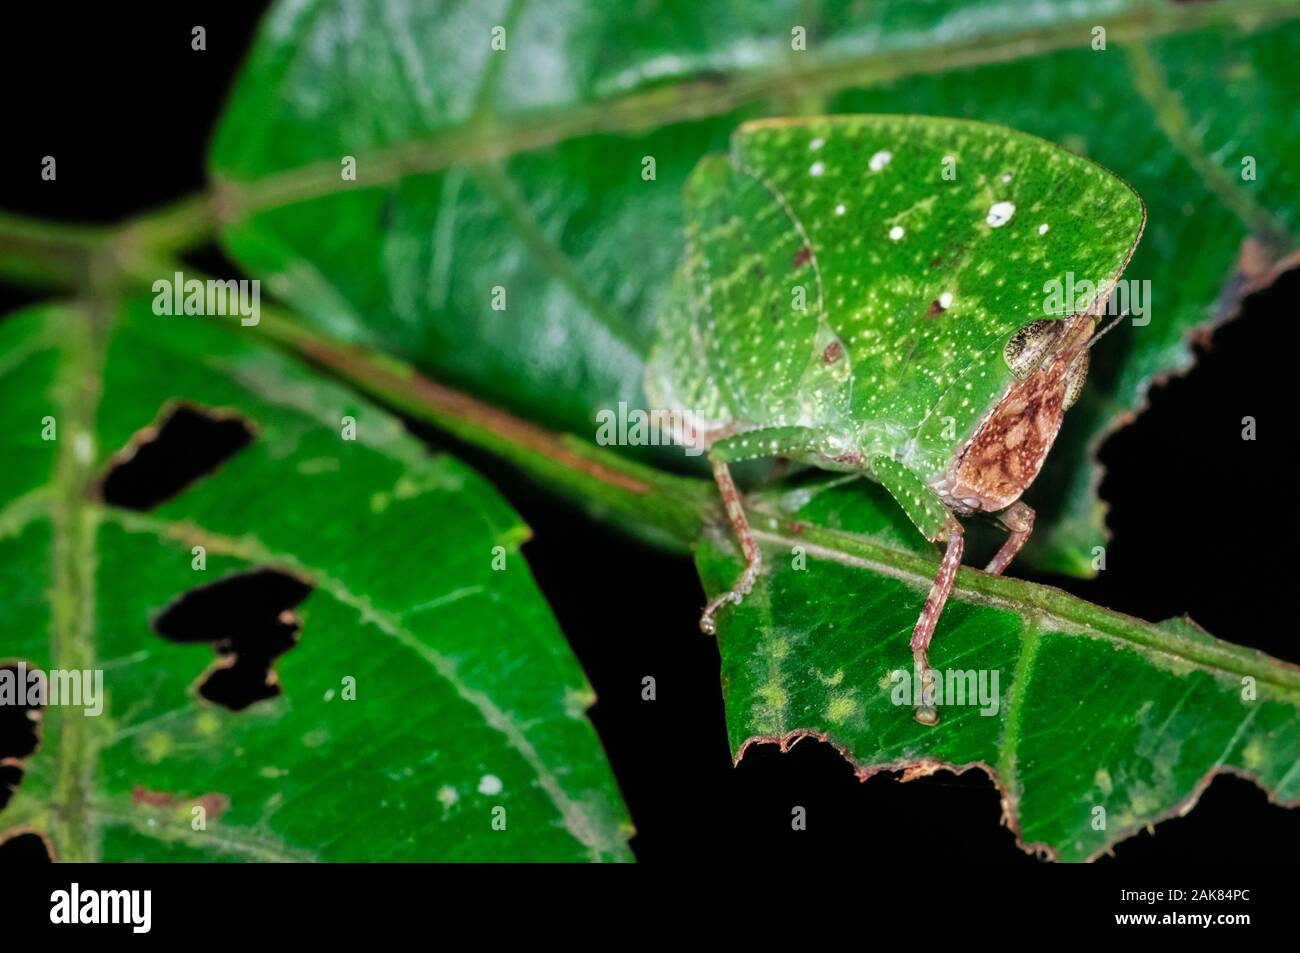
(1093, 724)
(545, 178)
(316, 642)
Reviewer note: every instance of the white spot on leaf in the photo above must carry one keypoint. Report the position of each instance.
(1000, 214)
(880, 160)
(896, 232)
(817, 168)
(489, 784)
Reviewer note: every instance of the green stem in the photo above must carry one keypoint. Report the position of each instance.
(665, 508)
(46, 254)
(668, 508)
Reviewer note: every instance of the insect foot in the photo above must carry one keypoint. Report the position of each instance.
(925, 712)
(748, 545)
(744, 585)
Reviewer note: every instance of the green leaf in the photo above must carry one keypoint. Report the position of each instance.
(1097, 725)
(466, 696)
(522, 170)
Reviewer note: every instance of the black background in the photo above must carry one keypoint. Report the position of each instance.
(1203, 522)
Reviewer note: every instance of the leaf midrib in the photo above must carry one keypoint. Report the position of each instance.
(1071, 616)
(72, 593)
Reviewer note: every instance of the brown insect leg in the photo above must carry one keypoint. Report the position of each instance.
(748, 545)
(930, 613)
(1019, 521)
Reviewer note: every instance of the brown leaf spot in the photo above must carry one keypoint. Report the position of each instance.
(213, 804)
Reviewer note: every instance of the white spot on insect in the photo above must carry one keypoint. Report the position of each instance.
(817, 168)
(839, 210)
(945, 300)
(489, 784)
(816, 143)
(880, 160)
(1042, 229)
(1000, 214)
(896, 232)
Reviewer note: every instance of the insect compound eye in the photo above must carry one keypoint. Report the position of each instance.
(1074, 378)
(1028, 345)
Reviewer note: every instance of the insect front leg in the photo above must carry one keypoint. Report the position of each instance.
(748, 545)
(929, 618)
(750, 445)
(932, 517)
(1018, 518)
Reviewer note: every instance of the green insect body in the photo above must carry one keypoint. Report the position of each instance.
(868, 294)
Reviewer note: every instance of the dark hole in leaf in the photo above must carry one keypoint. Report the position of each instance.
(26, 848)
(189, 444)
(19, 736)
(248, 620)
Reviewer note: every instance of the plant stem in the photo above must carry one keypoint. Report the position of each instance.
(665, 508)
(668, 508)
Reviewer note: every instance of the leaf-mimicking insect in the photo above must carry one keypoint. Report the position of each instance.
(869, 294)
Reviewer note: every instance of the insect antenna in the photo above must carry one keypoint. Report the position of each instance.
(1097, 337)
